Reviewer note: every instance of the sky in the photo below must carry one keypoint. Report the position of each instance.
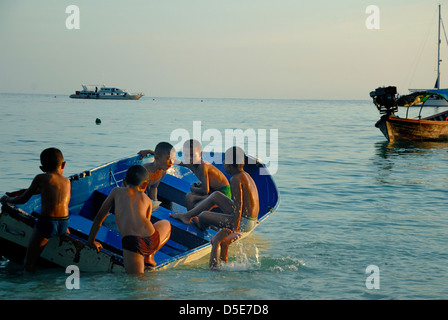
(262, 49)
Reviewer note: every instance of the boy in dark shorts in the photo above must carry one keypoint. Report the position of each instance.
(140, 238)
(55, 196)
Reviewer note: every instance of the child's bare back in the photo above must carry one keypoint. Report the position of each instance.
(55, 194)
(139, 237)
(132, 212)
(245, 193)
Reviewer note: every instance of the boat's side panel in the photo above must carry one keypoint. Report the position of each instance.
(17, 228)
(416, 130)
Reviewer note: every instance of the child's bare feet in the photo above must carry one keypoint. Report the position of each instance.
(181, 217)
(150, 260)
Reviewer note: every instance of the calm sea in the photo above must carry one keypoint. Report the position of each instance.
(349, 199)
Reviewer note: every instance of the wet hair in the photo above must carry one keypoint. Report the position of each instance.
(135, 175)
(51, 159)
(163, 148)
(235, 156)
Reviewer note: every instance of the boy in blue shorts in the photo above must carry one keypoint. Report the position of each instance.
(55, 196)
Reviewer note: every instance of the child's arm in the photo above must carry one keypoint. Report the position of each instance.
(152, 191)
(238, 204)
(98, 221)
(144, 153)
(146, 217)
(204, 187)
(24, 197)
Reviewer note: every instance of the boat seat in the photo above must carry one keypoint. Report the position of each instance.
(174, 189)
(105, 235)
(164, 214)
(171, 188)
(93, 204)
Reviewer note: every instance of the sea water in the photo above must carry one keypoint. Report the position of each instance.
(349, 199)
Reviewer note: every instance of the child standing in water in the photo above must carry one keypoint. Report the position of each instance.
(55, 197)
(140, 238)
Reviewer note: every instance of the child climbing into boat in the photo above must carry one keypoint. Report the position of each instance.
(211, 179)
(54, 189)
(164, 157)
(140, 238)
(239, 214)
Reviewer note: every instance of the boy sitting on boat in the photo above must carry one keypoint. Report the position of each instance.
(55, 197)
(164, 157)
(239, 214)
(140, 238)
(211, 178)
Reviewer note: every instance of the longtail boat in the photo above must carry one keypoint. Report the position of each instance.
(395, 128)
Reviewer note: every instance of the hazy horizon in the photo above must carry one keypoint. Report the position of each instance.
(264, 49)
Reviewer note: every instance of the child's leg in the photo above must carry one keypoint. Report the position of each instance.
(216, 198)
(216, 242)
(163, 227)
(192, 199)
(226, 243)
(133, 262)
(208, 218)
(35, 247)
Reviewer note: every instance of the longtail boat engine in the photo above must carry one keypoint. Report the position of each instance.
(385, 99)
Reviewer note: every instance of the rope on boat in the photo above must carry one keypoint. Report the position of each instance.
(113, 177)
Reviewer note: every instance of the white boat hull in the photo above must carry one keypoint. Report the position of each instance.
(107, 97)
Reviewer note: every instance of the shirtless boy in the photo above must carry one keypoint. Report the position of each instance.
(140, 238)
(239, 214)
(55, 196)
(211, 178)
(164, 157)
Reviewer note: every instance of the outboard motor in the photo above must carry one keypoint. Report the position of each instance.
(385, 99)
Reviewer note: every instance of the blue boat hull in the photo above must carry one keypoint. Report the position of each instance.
(90, 188)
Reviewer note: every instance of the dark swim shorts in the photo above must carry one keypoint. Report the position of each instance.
(142, 245)
(51, 227)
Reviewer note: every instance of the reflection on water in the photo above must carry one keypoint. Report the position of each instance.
(386, 149)
(405, 163)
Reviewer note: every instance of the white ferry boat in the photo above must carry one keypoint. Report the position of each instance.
(103, 92)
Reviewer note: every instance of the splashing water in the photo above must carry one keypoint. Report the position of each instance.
(247, 258)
